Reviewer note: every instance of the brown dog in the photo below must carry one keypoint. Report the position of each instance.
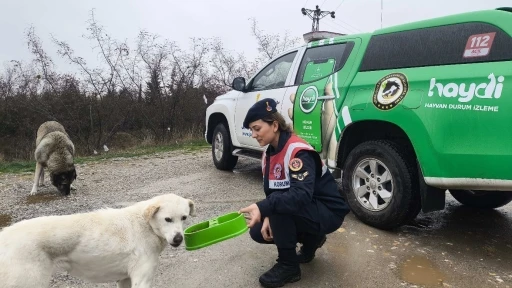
(55, 152)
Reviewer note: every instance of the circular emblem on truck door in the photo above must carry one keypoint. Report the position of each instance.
(308, 99)
(390, 90)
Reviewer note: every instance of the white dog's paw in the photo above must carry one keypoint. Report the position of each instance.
(33, 192)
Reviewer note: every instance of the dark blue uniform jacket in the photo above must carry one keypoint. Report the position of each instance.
(315, 197)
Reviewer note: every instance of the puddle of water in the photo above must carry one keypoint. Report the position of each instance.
(41, 198)
(419, 270)
(5, 220)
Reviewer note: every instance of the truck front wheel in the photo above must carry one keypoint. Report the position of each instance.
(482, 199)
(221, 149)
(380, 183)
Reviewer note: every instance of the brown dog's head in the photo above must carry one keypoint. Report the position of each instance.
(63, 180)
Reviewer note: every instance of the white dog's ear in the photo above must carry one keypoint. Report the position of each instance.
(150, 211)
(192, 207)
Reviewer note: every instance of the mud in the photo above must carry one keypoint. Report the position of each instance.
(41, 198)
(5, 220)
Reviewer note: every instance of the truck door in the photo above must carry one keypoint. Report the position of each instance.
(317, 99)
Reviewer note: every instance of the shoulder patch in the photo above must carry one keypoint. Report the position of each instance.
(295, 164)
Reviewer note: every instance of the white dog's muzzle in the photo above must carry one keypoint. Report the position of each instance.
(176, 241)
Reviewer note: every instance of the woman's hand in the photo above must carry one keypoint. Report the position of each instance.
(254, 214)
(266, 231)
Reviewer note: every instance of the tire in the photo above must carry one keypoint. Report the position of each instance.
(482, 199)
(403, 197)
(221, 149)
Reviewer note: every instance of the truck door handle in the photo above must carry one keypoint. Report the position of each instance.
(325, 97)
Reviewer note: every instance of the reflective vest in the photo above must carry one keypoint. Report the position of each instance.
(279, 172)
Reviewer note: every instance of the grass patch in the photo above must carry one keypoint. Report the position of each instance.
(17, 167)
(187, 146)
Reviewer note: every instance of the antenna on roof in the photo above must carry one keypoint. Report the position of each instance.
(381, 8)
(316, 15)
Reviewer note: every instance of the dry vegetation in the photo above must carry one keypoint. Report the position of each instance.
(150, 94)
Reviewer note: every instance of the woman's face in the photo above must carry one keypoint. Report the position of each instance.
(263, 132)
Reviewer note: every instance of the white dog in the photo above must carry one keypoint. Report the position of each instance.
(102, 246)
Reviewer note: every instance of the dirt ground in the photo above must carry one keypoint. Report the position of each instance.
(457, 247)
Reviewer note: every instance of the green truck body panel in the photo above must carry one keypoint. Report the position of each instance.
(458, 117)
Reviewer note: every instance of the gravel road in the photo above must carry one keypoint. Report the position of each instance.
(457, 247)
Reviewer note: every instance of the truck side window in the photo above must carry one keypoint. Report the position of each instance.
(433, 46)
(321, 54)
(274, 75)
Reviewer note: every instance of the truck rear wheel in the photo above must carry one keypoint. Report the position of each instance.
(221, 149)
(380, 184)
(482, 199)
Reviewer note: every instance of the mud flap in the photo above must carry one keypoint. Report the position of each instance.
(432, 198)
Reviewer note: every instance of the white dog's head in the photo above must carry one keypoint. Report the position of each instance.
(166, 214)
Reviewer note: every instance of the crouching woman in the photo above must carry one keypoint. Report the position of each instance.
(302, 202)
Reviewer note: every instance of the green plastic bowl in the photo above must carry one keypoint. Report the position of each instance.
(215, 230)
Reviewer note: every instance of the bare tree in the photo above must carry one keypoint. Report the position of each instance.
(270, 45)
(155, 55)
(110, 51)
(131, 68)
(92, 78)
(189, 64)
(153, 89)
(226, 65)
(44, 62)
(24, 78)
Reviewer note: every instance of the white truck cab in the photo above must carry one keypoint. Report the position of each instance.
(224, 117)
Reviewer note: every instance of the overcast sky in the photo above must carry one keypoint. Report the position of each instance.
(178, 20)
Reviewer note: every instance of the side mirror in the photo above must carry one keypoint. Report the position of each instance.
(239, 84)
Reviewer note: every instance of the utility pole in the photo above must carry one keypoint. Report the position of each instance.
(316, 15)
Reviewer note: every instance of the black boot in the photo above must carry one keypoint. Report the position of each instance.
(307, 250)
(286, 270)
